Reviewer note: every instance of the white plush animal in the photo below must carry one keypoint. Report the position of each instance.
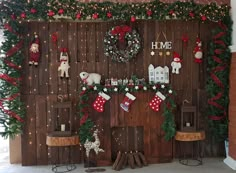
(90, 78)
(176, 63)
(64, 63)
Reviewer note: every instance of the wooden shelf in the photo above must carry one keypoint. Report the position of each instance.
(62, 141)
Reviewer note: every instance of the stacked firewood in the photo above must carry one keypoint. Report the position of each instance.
(132, 159)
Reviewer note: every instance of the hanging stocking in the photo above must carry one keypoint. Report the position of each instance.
(129, 98)
(156, 101)
(98, 104)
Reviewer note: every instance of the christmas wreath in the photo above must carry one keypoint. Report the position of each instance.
(124, 35)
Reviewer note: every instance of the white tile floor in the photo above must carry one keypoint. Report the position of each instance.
(210, 165)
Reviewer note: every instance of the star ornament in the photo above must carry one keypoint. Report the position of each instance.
(152, 53)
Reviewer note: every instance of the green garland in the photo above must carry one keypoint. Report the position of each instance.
(51, 9)
(12, 110)
(219, 60)
(86, 123)
(116, 34)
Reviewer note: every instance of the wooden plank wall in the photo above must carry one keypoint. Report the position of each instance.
(42, 85)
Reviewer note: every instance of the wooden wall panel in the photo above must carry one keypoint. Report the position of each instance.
(53, 59)
(29, 143)
(41, 129)
(43, 77)
(84, 41)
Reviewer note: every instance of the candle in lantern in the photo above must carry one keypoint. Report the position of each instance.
(63, 127)
(188, 124)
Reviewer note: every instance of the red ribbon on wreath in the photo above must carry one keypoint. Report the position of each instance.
(121, 31)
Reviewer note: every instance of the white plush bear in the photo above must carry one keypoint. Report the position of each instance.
(64, 63)
(176, 63)
(90, 78)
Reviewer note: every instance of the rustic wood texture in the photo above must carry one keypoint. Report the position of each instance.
(53, 141)
(84, 41)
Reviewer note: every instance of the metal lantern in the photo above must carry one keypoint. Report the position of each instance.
(61, 121)
(188, 118)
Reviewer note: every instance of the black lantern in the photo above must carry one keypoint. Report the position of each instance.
(188, 118)
(61, 119)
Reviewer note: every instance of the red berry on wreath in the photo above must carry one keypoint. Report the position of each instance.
(23, 15)
(33, 10)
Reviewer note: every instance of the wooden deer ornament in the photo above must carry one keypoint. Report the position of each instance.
(93, 145)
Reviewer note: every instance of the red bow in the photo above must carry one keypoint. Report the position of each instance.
(121, 30)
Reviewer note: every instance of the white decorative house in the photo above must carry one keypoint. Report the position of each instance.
(158, 74)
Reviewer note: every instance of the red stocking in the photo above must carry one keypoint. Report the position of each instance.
(156, 101)
(129, 98)
(98, 104)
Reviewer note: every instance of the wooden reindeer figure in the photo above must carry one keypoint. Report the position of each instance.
(93, 145)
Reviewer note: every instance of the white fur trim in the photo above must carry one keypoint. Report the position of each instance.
(159, 94)
(105, 96)
(130, 96)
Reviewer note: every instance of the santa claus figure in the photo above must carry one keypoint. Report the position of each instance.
(176, 63)
(198, 51)
(34, 51)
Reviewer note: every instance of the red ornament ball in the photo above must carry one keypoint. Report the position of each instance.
(109, 15)
(23, 15)
(133, 19)
(149, 12)
(95, 16)
(51, 13)
(191, 14)
(60, 11)
(33, 10)
(13, 17)
(204, 18)
(78, 16)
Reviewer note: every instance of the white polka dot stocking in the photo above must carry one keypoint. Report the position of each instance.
(156, 101)
(101, 99)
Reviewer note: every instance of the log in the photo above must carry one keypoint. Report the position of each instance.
(118, 157)
(137, 160)
(121, 162)
(143, 159)
(131, 160)
(126, 160)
